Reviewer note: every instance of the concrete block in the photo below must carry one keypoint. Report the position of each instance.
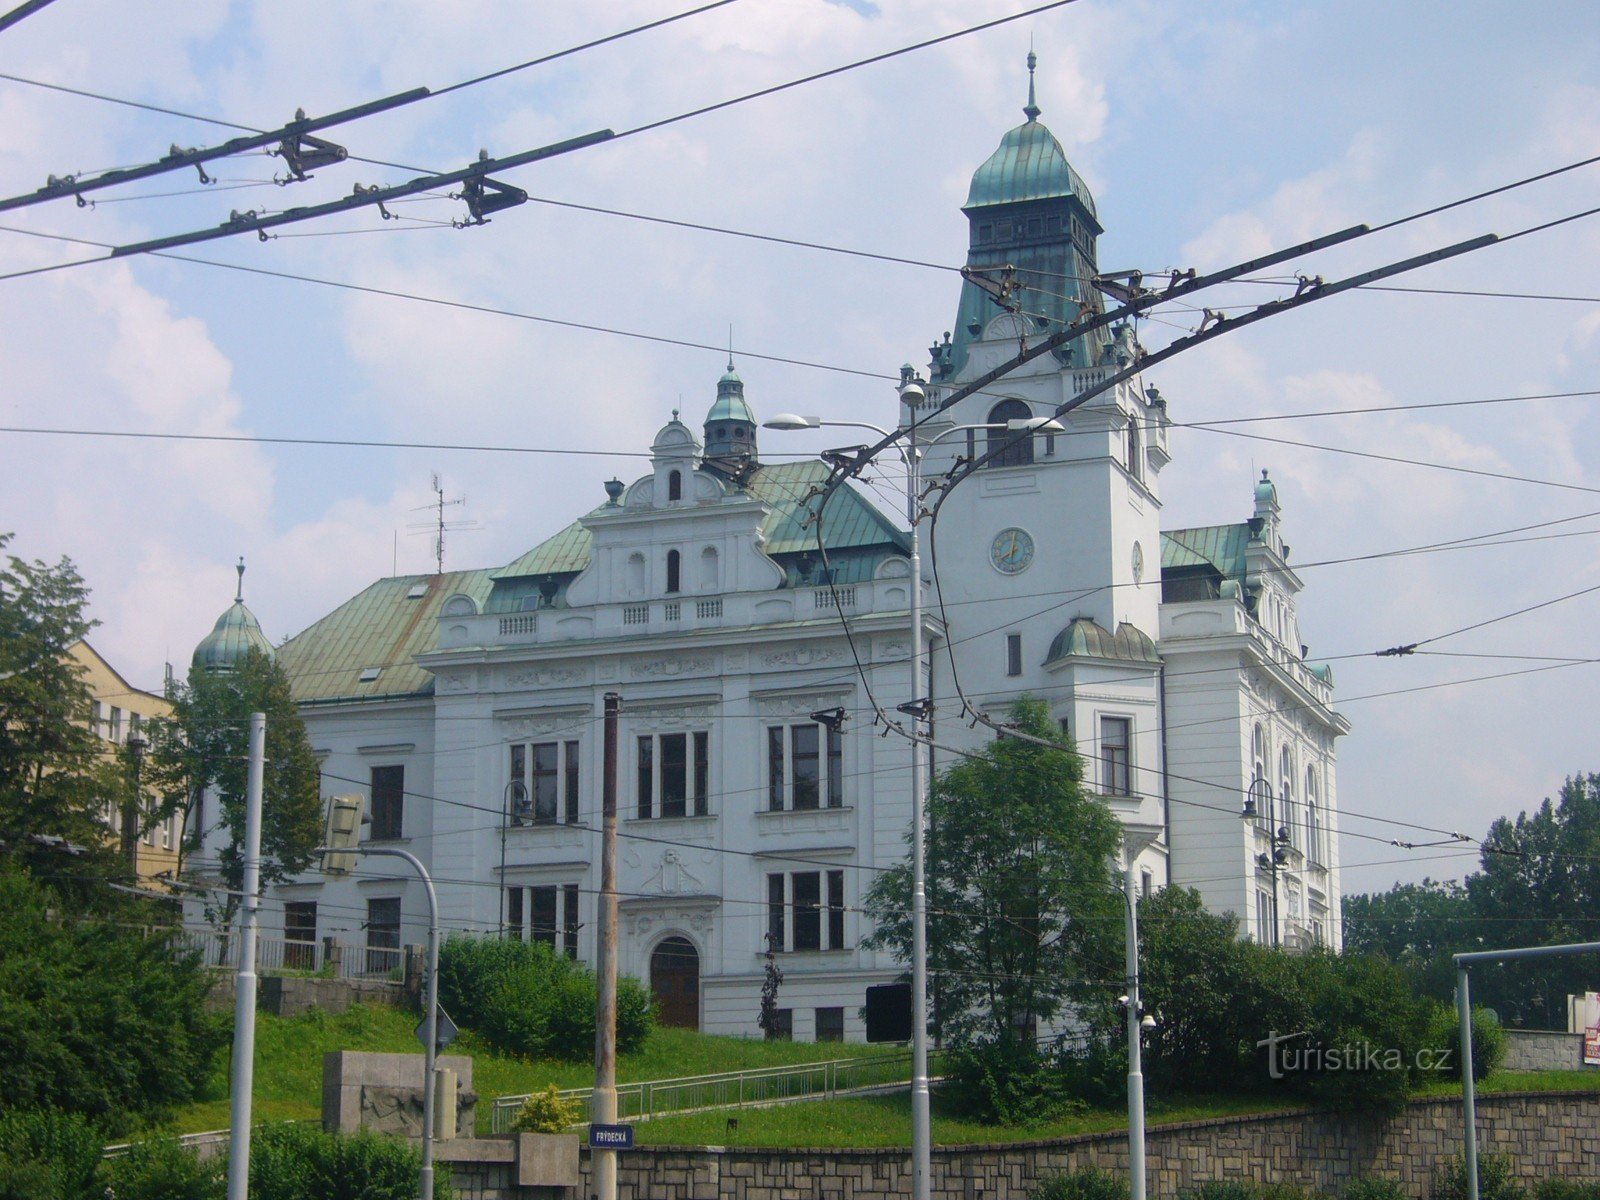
(547, 1160)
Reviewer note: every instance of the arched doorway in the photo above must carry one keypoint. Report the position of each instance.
(675, 982)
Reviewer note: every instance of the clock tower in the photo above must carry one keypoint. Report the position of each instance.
(1048, 559)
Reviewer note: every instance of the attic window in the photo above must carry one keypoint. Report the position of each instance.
(417, 592)
(370, 674)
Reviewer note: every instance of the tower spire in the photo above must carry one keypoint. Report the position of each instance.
(1033, 110)
(238, 596)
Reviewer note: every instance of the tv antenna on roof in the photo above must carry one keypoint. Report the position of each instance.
(439, 526)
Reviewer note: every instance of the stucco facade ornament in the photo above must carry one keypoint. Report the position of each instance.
(672, 878)
(799, 704)
(547, 676)
(800, 656)
(671, 668)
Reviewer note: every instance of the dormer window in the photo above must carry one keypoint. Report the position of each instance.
(674, 571)
(675, 485)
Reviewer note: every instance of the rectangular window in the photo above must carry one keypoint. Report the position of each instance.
(388, 803)
(1115, 733)
(383, 936)
(805, 767)
(830, 1024)
(97, 719)
(1013, 654)
(783, 1027)
(805, 910)
(300, 935)
(647, 778)
(551, 783)
(514, 913)
(1264, 918)
(116, 724)
(806, 887)
(1145, 883)
(776, 939)
(674, 774)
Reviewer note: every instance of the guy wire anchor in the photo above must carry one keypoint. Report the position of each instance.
(302, 153)
(484, 196)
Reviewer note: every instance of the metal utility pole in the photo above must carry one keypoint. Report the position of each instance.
(604, 1107)
(1469, 1096)
(244, 985)
(1136, 1171)
(921, 1109)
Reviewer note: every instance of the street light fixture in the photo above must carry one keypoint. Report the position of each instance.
(1260, 805)
(919, 708)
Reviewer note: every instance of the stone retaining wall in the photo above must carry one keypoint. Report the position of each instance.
(1548, 1133)
(1543, 1050)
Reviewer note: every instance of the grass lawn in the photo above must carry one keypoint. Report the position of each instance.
(886, 1121)
(289, 1050)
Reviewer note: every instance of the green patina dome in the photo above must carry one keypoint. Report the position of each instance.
(730, 403)
(236, 632)
(1087, 639)
(1029, 165)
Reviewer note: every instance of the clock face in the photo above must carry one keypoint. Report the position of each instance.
(1011, 552)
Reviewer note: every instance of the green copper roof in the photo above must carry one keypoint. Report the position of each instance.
(384, 627)
(235, 632)
(1029, 165)
(1084, 638)
(730, 404)
(852, 523)
(1221, 547)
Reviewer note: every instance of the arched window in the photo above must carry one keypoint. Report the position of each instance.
(1135, 451)
(635, 579)
(1314, 846)
(1286, 814)
(674, 571)
(1260, 789)
(710, 577)
(675, 485)
(1015, 454)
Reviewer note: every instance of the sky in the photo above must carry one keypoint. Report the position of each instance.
(1208, 134)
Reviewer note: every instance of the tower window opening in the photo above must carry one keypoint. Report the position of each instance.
(1012, 453)
(675, 485)
(674, 571)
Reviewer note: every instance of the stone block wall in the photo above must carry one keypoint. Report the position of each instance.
(1543, 1050)
(1549, 1134)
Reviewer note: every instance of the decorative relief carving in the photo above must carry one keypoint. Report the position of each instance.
(892, 650)
(797, 704)
(800, 656)
(547, 677)
(670, 668)
(672, 878)
(451, 683)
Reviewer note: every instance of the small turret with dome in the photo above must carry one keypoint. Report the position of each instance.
(236, 633)
(1033, 227)
(730, 429)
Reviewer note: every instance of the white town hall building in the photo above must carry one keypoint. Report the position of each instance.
(467, 705)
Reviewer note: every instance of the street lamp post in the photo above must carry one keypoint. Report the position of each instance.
(1260, 805)
(912, 393)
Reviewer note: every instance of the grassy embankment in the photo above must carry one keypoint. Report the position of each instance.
(288, 1086)
(289, 1050)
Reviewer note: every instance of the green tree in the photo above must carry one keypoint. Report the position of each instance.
(1416, 926)
(97, 1017)
(53, 777)
(204, 751)
(1022, 907)
(1539, 885)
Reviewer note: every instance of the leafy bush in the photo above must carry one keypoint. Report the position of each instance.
(1372, 1187)
(1568, 1189)
(546, 1112)
(1489, 1041)
(1008, 1082)
(1497, 1179)
(526, 999)
(164, 1169)
(47, 1156)
(301, 1162)
(1090, 1183)
(1245, 1189)
(97, 1018)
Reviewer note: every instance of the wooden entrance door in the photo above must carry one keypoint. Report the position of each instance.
(675, 982)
